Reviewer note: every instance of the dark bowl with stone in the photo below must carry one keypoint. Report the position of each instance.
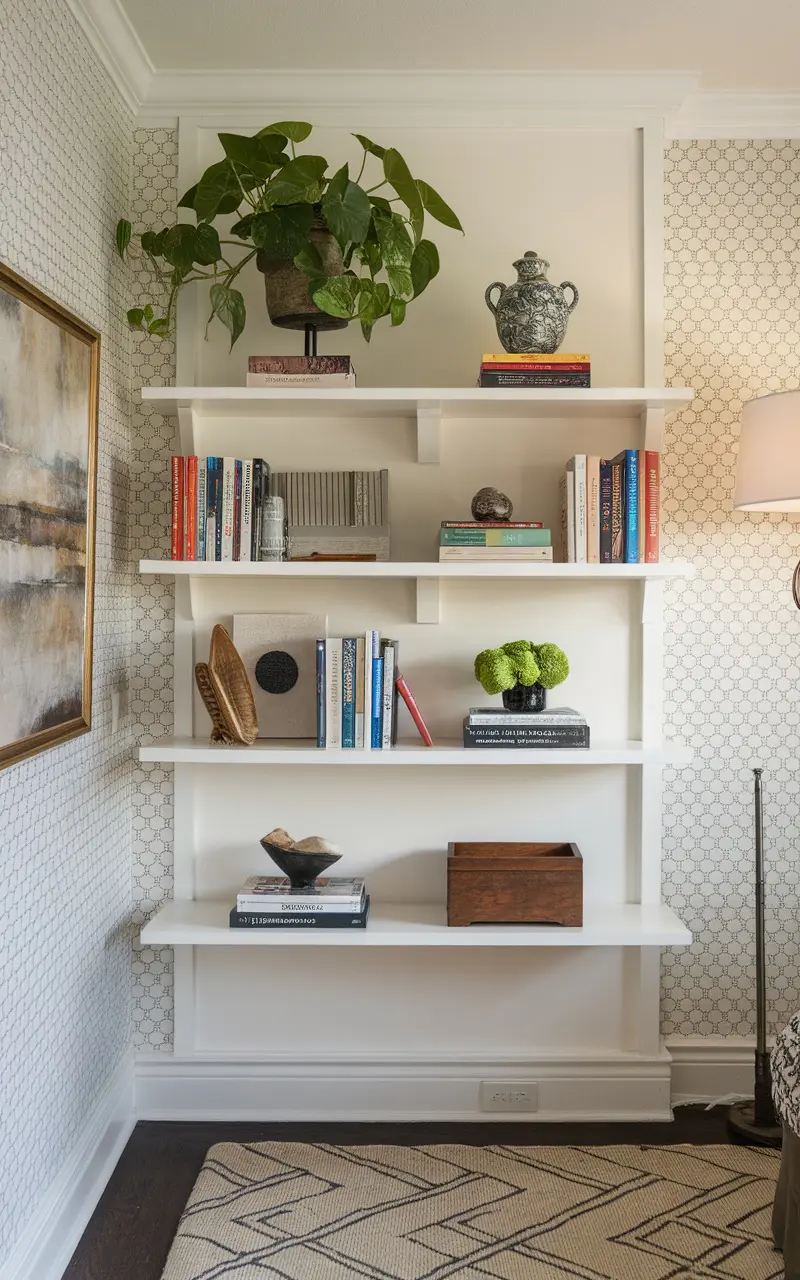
(301, 868)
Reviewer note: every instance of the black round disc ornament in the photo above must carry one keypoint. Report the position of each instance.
(276, 671)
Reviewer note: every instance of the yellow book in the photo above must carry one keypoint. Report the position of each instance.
(535, 357)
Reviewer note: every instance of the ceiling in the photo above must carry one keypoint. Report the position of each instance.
(732, 44)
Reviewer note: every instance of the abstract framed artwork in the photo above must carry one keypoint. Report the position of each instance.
(49, 382)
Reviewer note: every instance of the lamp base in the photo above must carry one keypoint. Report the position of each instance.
(743, 1127)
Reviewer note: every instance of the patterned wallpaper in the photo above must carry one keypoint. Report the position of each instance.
(733, 653)
(65, 854)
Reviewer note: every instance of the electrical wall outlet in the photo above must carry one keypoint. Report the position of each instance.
(508, 1095)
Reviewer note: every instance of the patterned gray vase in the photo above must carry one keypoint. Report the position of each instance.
(532, 314)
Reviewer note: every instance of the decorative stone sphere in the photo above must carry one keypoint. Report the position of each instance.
(491, 504)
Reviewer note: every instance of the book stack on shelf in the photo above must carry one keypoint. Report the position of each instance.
(300, 371)
(269, 902)
(496, 727)
(217, 505)
(610, 508)
(536, 369)
(358, 687)
(493, 540)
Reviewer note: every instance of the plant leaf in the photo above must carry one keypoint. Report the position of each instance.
(207, 248)
(283, 232)
(373, 148)
(228, 305)
(148, 313)
(187, 199)
(437, 207)
(338, 296)
(243, 228)
(135, 317)
(346, 209)
(424, 265)
(393, 238)
(309, 260)
(295, 130)
(153, 242)
(380, 203)
(159, 328)
(398, 175)
(260, 156)
(218, 191)
(179, 246)
(400, 280)
(297, 181)
(397, 310)
(366, 329)
(123, 236)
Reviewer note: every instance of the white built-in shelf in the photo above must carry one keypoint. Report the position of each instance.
(413, 569)
(302, 751)
(420, 925)
(429, 406)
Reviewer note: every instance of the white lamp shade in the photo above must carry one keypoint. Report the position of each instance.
(768, 470)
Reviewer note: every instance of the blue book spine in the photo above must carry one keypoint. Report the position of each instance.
(348, 693)
(631, 506)
(320, 693)
(377, 703)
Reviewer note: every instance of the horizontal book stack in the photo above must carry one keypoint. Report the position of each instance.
(536, 369)
(495, 727)
(610, 508)
(269, 902)
(335, 513)
(493, 540)
(300, 371)
(359, 685)
(217, 507)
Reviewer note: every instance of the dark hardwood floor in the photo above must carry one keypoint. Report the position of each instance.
(129, 1235)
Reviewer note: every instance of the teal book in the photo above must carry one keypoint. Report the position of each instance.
(349, 693)
(494, 538)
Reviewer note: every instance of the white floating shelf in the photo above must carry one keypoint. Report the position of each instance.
(302, 751)
(430, 406)
(413, 569)
(419, 925)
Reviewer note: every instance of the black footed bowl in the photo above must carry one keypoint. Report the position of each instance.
(301, 868)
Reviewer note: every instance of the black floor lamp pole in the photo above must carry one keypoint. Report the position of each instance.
(755, 1121)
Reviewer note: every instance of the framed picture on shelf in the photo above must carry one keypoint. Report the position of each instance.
(49, 377)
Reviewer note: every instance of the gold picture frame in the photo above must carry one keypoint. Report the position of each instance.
(49, 398)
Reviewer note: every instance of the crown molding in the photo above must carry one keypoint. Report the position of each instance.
(736, 115)
(111, 35)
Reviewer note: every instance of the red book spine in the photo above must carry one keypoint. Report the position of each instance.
(177, 508)
(652, 510)
(408, 699)
(523, 367)
(191, 508)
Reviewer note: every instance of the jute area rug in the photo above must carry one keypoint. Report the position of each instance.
(297, 1211)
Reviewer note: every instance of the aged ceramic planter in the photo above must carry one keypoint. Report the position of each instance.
(289, 302)
(532, 314)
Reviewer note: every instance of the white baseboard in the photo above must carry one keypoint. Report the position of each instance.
(623, 1087)
(58, 1221)
(705, 1068)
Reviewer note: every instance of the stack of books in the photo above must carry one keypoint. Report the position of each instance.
(269, 902)
(300, 371)
(495, 727)
(536, 370)
(217, 505)
(610, 508)
(494, 540)
(358, 687)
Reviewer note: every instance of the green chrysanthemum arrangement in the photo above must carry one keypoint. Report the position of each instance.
(520, 662)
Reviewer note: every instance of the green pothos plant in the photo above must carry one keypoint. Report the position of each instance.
(278, 196)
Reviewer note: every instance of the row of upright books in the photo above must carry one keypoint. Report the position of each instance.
(536, 369)
(269, 902)
(610, 508)
(359, 684)
(218, 507)
(494, 541)
(300, 371)
(496, 727)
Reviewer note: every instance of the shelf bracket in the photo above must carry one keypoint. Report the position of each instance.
(428, 601)
(429, 432)
(653, 429)
(186, 432)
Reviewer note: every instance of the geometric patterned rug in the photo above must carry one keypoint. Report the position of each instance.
(312, 1211)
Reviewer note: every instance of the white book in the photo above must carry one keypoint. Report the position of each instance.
(568, 514)
(388, 694)
(333, 693)
(496, 715)
(301, 380)
(246, 510)
(593, 509)
(228, 495)
(578, 464)
(273, 894)
(211, 537)
(292, 906)
(201, 509)
(495, 553)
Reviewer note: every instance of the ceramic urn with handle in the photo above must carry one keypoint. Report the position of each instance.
(532, 314)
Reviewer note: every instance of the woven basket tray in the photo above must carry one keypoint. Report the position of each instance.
(226, 692)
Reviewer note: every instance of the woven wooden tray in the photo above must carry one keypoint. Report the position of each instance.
(226, 692)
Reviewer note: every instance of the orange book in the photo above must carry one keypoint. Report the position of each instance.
(177, 509)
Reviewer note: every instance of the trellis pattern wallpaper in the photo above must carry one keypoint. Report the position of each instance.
(733, 652)
(65, 143)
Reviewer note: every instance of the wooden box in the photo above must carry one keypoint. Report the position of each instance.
(491, 883)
